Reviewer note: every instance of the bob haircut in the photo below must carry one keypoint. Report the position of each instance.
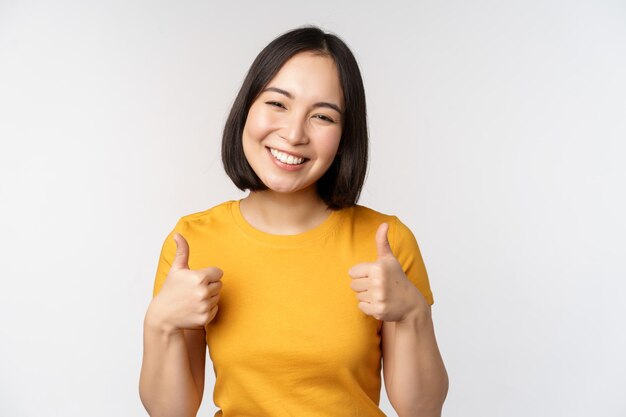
(341, 184)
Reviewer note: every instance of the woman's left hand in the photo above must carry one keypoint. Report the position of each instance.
(383, 289)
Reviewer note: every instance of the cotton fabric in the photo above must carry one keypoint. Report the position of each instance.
(288, 338)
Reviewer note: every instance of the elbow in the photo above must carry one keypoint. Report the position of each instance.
(156, 408)
(147, 401)
(430, 405)
(421, 410)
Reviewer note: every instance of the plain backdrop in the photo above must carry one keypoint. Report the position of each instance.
(498, 135)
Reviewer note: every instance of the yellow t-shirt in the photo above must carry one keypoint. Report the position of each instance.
(288, 338)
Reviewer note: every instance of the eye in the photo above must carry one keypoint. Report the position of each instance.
(325, 118)
(275, 104)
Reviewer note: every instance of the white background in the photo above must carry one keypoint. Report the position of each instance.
(498, 135)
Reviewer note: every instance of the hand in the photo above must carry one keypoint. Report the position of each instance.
(382, 288)
(188, 298)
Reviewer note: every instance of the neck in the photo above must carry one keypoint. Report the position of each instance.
(284, 213)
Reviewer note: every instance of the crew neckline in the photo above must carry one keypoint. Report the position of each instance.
(305, 238)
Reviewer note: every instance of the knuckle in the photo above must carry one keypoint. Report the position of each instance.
(202, 293)
(213, 291)
(380, 308)
(205, 317)
(195, 276)
(211, 315)
(216, 273)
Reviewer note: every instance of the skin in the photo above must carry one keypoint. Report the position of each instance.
(173, 368)
(291, 204)
(414, 373)
(415, 376)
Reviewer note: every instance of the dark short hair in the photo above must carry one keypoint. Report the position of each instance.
(341, 184)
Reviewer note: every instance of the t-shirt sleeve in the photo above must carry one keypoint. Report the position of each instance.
(406, 250)
(168, 251)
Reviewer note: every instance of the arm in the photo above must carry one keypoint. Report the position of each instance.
(416, 380)
(390, 289)
(172, 371)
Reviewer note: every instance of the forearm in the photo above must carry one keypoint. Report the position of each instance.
(166, 385)
(419, 382)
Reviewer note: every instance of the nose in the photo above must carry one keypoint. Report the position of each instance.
(294, 130)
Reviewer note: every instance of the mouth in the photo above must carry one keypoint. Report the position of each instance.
(286, 158)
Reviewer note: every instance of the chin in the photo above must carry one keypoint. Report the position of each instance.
(282, 190)
(285, 188)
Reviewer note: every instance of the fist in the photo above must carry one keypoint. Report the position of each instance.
(382, 288)
(188, 298)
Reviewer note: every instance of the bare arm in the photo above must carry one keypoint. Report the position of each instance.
(172, 371)
(415, 375)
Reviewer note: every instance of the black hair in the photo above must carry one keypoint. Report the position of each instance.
(341, 184)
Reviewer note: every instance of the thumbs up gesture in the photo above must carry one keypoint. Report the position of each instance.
(382, 288)
(188, 298)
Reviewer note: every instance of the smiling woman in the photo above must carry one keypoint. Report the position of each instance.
(315, 292)
(295, 120)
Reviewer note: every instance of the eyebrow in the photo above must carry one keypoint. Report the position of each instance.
(318, 104)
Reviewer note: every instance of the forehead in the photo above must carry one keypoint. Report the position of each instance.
(309, 76)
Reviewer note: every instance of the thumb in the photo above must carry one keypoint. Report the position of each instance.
(181, 260)
(382, 243)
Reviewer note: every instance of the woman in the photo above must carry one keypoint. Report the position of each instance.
(269, 282)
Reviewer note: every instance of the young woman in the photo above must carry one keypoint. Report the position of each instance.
(299, 292)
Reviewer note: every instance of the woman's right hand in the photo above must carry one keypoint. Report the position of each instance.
(188, 298)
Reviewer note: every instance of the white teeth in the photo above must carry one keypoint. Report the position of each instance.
(286, 159)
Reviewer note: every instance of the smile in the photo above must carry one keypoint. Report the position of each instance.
(286, 158)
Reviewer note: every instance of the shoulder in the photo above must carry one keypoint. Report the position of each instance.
(363, 215)
(213, 215)
(401, 238)
(371, 218)
(366, 221)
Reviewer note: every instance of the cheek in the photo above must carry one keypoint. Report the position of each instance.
(258, 124)
(329, 142)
